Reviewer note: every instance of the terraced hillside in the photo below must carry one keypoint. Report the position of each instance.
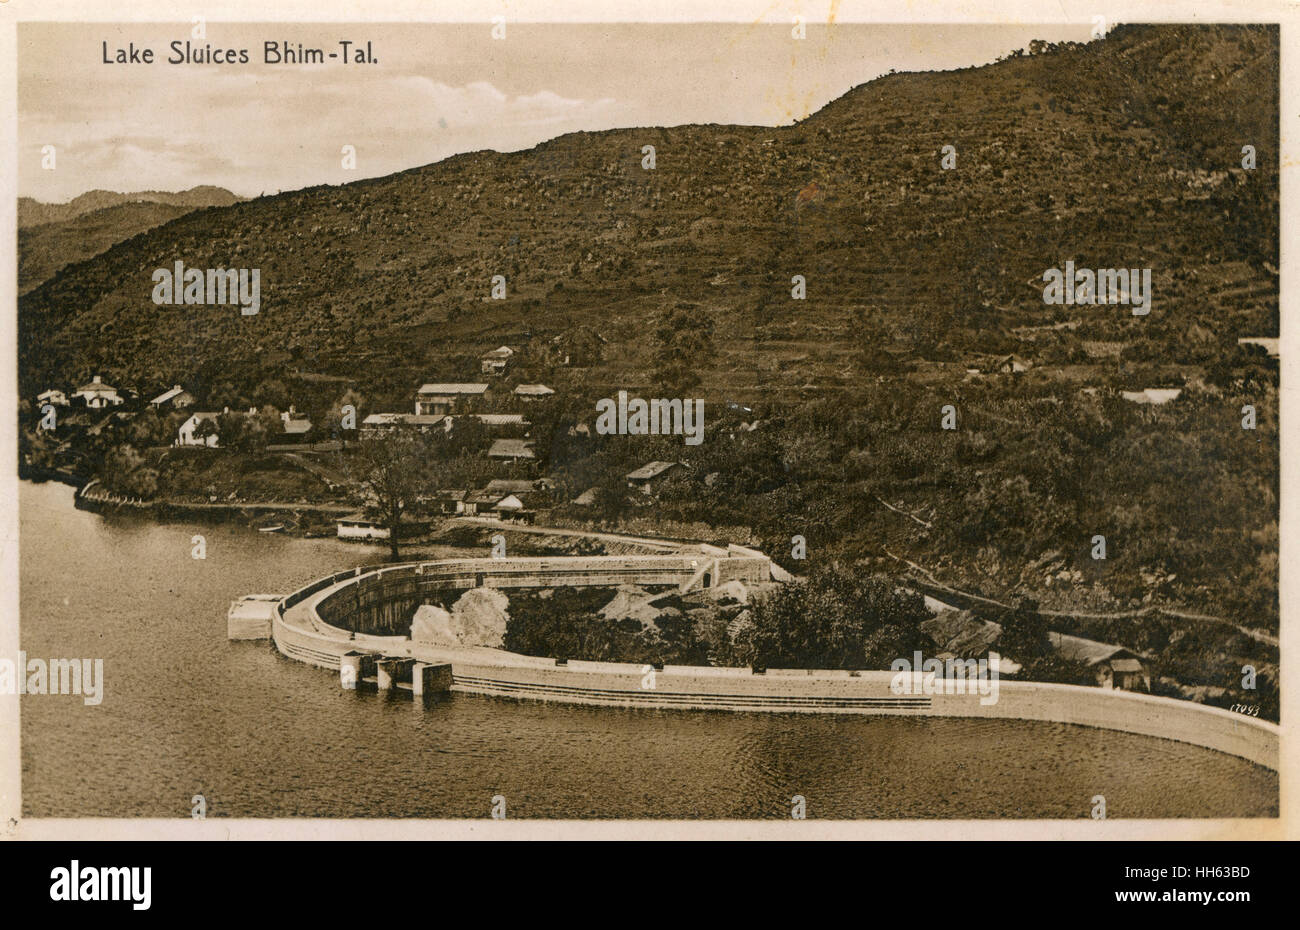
(1125, 151)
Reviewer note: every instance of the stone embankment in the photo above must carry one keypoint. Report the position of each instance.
(318, 625)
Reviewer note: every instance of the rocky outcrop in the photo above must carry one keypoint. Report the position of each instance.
(477, 619)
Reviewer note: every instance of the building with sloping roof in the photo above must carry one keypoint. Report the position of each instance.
(586, 499)
(1154, 396)
(176, 397)
(532, 392)
(1270, 344)
(481, 501)
(294, 423)
(97, 395)
(449, 501)
(512, 508)
(495, 361)
(646, 478)
(379, 424)
(512, 485)
(440, 398)
(511, 450)
(188, 435)
(1114, 666)
(961, 634)
(491, 421)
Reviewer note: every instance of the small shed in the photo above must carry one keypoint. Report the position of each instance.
(1114, 666)
(646, 478)
(511, 450)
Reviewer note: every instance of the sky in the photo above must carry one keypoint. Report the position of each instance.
(435, 90)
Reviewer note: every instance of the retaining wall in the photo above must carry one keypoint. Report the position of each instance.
(303, 633)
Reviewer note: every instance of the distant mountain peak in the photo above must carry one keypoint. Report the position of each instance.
(32, 212)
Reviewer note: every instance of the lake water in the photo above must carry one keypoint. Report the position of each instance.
(186, 712)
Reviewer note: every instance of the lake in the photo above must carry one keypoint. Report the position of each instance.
(186, 712)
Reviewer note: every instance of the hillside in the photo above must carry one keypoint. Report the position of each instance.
(44, 249)
(1105, 153)
(51, 236)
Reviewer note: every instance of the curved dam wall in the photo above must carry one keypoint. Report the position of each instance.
(302, 631)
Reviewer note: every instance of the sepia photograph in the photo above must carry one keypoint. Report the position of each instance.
(632, 422)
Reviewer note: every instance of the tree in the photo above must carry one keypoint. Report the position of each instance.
(230, 429)
(125, 471)
(392, 472)
(468, 436)
(205, 428)
(332, 427)
(837, 619)
(1024, 632)
(245, 432)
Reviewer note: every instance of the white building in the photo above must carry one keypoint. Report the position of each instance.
(187, 435)
(495, 362)
(441, 399)
(176, 397)
(96, 395)
(359, 526)
(53, 396)
(379, 424)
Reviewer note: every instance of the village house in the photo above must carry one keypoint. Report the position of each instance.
(521, 485)
(380, 424)
(442, 399)
(295, 424)
(512, 508)
(449, 502)
(361, 526)
(959, 634)
(491, 420)
(495, 361)
(1012, 365)
(188, 434)
(649, 477)
(519, 499)
(532, 392)
(97, 395)
(511, 450)
(481, 501)
(177, 397)
(53, 396)
(1113, 666)
(587, 498)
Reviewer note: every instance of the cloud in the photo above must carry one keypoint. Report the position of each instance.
(250, 132)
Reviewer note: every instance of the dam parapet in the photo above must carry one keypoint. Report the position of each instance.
(321, 625)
